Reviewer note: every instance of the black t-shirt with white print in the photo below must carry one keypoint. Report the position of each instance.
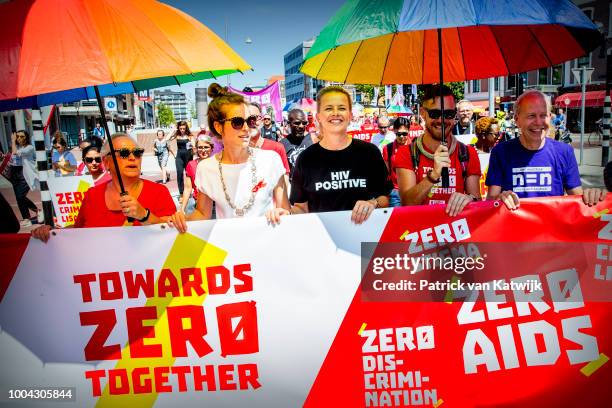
(334, 180)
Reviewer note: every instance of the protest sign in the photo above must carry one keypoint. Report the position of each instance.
(268, 98)
(67, 194)
(365, 135)
(215, 317)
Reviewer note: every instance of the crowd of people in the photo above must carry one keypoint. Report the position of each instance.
(253, 174)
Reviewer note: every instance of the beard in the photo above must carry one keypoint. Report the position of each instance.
(436, 132)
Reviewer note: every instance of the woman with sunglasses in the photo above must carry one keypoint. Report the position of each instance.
(184, 152)
(145, 203)
(487, 133)
(339, 173)
(23, 175)
(93, 162)
(401, 128)
(204, 147)
(64, 162)
(241, 181)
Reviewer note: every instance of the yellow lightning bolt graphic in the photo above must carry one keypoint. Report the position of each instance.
(82, 187)
(187, 251)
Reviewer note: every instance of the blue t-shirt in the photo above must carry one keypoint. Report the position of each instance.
(533, 173)
(66, 156)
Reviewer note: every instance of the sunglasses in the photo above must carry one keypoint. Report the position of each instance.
(299, 122)
(90, 160)
(124, 152)
(383, 127)
(238, 122)
(436, 113)
(204, 147)
(401, 134)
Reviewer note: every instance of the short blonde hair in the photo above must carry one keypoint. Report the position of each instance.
(333, 89)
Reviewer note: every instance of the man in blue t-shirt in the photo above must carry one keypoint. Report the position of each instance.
(534, 165)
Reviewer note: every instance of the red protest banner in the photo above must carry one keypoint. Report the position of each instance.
(482, 354)
(365, 135)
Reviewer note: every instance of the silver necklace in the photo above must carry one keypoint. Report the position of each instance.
(419, 143)
(240, 212)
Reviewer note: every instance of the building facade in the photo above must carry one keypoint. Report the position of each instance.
(78, 119)
(201, 106)
(143, 110)
(297, 84)
(176, 101)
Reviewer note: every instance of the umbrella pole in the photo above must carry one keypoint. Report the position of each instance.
(444, 175)
(110, 143)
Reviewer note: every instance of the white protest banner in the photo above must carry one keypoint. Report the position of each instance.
(67, 193)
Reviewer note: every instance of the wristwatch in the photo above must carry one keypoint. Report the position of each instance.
(146, 217)
(431, 179)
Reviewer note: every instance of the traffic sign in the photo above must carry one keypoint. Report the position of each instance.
(110, 104)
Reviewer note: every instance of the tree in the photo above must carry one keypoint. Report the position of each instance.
(165, 116)
(366, 90)
(456, 87)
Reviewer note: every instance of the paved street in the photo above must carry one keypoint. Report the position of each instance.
(590, 171)
(150, 171)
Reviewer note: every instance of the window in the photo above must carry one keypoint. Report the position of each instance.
(496, 84)
(610, 22)
(543, 76)
(476, 86)
(557, 74)
(511, 82)
(589, 11)
(583, 61)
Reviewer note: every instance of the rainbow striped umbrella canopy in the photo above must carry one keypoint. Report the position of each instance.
(57, 45)
(396, 41)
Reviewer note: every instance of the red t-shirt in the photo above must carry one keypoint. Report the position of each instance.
(277, 147)
(437, 194)
(385, 153)
(311, 127)
(190, 170)
(94, 213)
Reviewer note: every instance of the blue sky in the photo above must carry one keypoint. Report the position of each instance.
(275, 28)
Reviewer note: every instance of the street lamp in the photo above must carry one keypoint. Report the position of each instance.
(582, 76)
(247, 41)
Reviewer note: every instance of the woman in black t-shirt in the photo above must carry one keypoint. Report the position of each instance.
(339, 173)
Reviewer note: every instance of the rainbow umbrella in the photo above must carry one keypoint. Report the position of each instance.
(308, 105)
(396, 42)
(56, 45)
(53, 50)
(427, 41)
